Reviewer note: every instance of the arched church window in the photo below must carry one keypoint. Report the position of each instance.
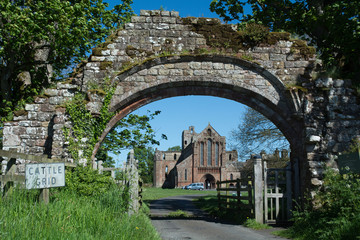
(163, 156)
(202, 154)
(217, 154)
(166, 169)
(175, 156)
(231, 177)
(229, 156)
(209, 156)
(209, 132)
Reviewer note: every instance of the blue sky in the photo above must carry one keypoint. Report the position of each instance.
(178, 113)
(186, 8)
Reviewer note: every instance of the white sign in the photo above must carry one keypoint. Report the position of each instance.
(44, 175)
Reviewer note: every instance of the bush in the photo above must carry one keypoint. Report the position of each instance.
(86, 181)
(338, 216)
(253, 33)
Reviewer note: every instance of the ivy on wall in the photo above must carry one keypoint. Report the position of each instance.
(132, 131)
(86, 129)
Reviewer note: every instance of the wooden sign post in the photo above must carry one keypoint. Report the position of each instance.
(44, 176)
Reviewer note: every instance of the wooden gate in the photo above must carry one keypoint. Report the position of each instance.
(236, 196)
(277, 194)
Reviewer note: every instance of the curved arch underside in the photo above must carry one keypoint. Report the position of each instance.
(225, 77)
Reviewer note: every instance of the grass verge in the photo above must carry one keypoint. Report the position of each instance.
(179, 214)
(150, 194)
(70, 216)
(251, 223)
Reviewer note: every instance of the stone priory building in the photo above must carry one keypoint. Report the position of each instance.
(203, 158)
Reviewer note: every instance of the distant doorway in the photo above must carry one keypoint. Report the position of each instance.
(209, 181)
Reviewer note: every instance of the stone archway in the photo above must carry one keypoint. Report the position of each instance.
(212, 75)
(159, 55)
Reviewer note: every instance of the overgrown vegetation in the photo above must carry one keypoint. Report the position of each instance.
(331, 26)
(86, 181)
(132, 131)
(178, 214)
(226, 38)
(40, 41)
(145, 158)
(86, 128)
(71, 216)
(252, 223)
(337, 215)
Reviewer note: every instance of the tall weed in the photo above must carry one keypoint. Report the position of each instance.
(71, 216)
(338, 214)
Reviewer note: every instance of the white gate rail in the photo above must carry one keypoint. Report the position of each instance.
(277, 194)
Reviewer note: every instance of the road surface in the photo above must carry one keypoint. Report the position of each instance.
(199, 226)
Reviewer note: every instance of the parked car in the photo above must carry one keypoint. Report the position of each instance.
(195, 186)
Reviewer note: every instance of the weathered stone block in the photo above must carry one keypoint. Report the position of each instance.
(277, 57)
(51, 92)
(138, 19)
(56, 100)
(144, 13)
(47, 108)
(174, 14)
(129, 26)
(44, 116)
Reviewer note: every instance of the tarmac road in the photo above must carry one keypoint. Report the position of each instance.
(199, 226)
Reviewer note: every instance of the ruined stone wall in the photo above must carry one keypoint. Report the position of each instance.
(332, 122)
(160, 55)
(38, 129)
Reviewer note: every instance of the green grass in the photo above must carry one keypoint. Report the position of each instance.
(179, 214)
(70, 216)
(288, 233)
(150, 194)
(251, 223)
(208, 204)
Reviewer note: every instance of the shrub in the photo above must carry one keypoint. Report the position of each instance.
(338, 216)
(253, 33)
(87, 182)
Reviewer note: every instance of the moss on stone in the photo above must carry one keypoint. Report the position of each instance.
(275, 37)
(216, 34)
(133, 52)
(301, 47)
(68, 81)
(41, 96)
(97, 91)
(105, 65)
(98, 51)
(20, 113)
(296, 87)
(224, 36)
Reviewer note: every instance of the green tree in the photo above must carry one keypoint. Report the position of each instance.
(332, 26)
(175, 148)
(39, 39)
(108, 161)
(145, 156)
(256, 133)
(132, 132)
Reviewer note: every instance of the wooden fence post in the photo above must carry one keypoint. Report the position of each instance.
(238, 193)
(218, 194)
(227, 194)
(258, 189)
(44, 195)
